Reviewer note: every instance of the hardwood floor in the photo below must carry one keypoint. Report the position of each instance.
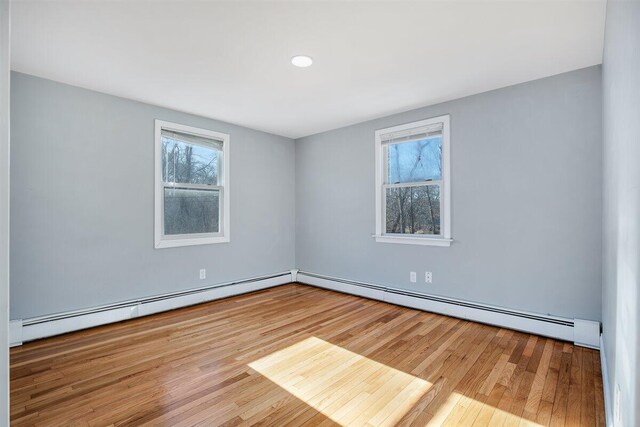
(297, 355)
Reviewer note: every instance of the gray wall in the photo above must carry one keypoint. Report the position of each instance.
(82, 202)
(4, 210)
(526, 200)
(621, 279)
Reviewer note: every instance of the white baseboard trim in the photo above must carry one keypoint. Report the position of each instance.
(539, 324)
(608, 403)
(23, 330)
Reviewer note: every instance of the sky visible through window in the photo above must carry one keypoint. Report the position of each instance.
(415, 161)
(189, 163)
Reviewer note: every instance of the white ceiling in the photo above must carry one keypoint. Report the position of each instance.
(230, 60)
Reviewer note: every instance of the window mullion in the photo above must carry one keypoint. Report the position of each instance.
(412, 184)
(191, 186)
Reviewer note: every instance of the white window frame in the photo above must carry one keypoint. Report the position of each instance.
(445, 196)
(172, 241)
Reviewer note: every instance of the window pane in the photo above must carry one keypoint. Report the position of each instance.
(189, 211)
(415, 161)
(413, 210)
(187, 163)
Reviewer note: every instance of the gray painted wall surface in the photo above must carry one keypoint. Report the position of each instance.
(82, 202)
(621, 279)
(4, 209)
(526, 200)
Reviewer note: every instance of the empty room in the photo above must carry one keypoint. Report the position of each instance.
(320, 213)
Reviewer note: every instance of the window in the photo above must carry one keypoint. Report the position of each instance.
(412, 183)
(192, 186)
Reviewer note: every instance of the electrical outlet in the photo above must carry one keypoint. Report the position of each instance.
(428, 277)
(203, 274)
(412, 277)
(616, 406)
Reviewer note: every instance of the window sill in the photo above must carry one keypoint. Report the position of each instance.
(406, 240)
(176, 243)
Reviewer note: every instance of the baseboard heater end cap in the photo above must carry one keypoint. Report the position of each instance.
(15, 332)
(586, 333)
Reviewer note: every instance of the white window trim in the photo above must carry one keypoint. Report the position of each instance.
(445, 215)
(223, 236)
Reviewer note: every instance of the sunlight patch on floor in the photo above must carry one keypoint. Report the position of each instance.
(347, 387)
(459, 409)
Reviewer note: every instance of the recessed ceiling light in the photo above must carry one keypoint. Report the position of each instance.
(302, 61)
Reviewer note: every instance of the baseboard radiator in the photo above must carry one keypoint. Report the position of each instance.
(24, 330)
(582, 332)
(585, 333)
